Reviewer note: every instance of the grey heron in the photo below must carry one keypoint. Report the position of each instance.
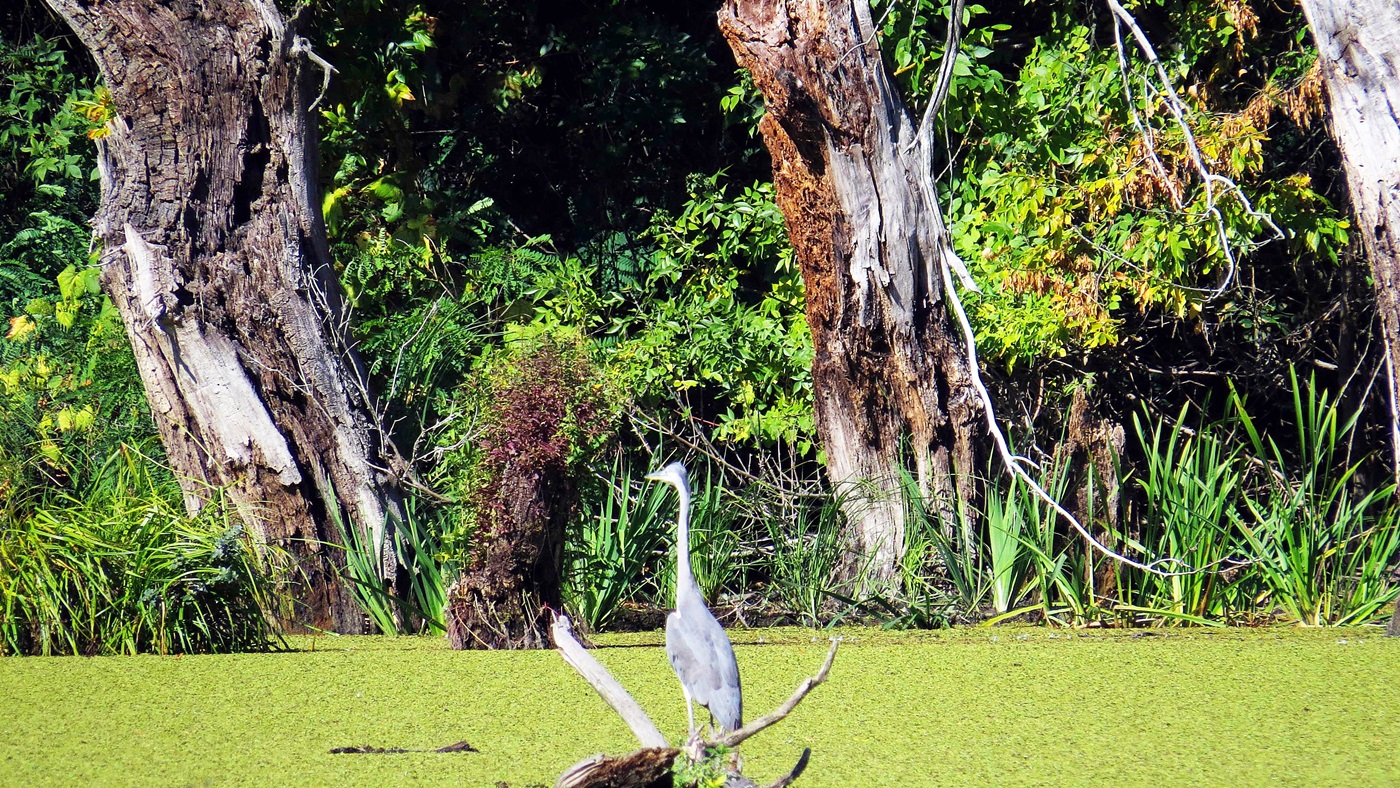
(699, 651)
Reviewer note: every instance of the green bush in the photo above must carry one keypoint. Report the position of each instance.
(121, 569)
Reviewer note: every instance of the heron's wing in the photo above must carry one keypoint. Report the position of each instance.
(728, 702)
(703, 658)
(689, 658)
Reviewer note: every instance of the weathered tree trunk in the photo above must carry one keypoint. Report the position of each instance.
(216, 256)
(1358, 44)
(499, 601)
(892, 385)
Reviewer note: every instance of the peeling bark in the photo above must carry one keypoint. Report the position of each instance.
(216, 257)
(1358, 44)
(892, 385)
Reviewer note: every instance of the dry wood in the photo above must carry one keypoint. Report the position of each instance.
(645, 768)
(808, 684)
(606, 686)
(215, 255)
(653, 764)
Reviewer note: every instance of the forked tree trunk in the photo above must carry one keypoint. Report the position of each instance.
(1358, 44)
(216, 257)
(892, 385)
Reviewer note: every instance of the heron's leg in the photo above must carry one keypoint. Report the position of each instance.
(689, 710)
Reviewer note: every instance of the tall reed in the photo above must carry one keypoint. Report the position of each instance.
(613, 545)
(119, 568)
(1323, 548)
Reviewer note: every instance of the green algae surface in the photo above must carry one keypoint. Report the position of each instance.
(979, 706)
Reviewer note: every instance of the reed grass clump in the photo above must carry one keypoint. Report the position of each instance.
(120, 568)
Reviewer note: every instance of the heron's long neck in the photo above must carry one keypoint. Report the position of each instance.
(685, 579)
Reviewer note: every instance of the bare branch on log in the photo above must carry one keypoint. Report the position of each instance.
(603, 682)
(733, 739)
(651, 764)
(786, 780)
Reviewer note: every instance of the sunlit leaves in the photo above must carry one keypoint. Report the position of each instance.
(1060, 208)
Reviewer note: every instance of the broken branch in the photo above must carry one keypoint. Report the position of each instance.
(733, 739)
(606, 686)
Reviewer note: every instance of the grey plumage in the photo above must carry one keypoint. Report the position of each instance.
(699, 651)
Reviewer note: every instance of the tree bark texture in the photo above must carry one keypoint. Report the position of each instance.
(853, 179)
(1358, 43)
(499, 601)
(216, 256)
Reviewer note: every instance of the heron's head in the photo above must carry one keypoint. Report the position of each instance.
(673, 474)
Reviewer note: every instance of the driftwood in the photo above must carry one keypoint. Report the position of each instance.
(601, 680)
(653, 764)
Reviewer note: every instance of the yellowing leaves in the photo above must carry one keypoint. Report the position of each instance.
(71, 419)
(396, 85)
(20, 327)
(99, 111)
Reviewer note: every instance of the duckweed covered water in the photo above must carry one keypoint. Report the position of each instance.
(979, 706)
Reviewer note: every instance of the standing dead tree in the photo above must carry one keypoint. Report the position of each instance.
(215, 255)
(853, 173)
(655, 762)
(545, 404)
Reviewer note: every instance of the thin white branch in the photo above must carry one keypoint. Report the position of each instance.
(733, 739)
(1209, 179)
(1013, 462)
(398, 357)
(951, 46)
(603, 682)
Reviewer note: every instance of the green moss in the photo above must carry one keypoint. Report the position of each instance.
(972, 706)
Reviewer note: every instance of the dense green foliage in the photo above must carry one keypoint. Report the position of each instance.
(117, 567)
(555, 230)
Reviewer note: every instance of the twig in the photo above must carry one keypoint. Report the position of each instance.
(1209, 179)
(797, 770)
(733, 739)
(945, 71)
(301, 46)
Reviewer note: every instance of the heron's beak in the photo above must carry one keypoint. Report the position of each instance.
(654, 476)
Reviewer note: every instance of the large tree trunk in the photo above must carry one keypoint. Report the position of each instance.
(1358, 44)
(216, 256)
(853, 180)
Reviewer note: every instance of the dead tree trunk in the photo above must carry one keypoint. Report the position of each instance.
(216, 257)
(853, 178)
(542, 408)
(516, 571)
(1358, 44)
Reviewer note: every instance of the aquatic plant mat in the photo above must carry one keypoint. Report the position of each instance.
(989, 706)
